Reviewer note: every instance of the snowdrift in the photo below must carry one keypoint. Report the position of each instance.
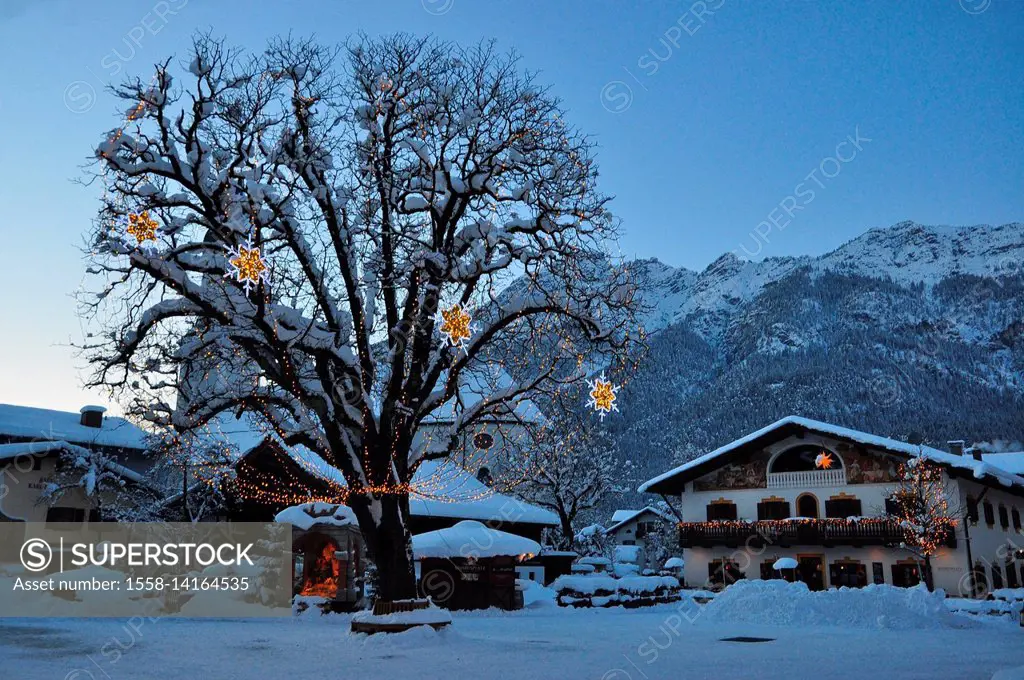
(778, 603)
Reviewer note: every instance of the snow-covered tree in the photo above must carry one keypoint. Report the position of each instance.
(388, 187)
(114, 491)
(923, 506)
(566, 465)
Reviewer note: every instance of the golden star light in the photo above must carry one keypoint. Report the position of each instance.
(824, 461)
(142, 227)
(247, 265)
(602, 396)
(456, 325)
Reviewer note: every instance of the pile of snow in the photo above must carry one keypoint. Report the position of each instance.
(778, 603)
(596, 584)
(470, 538)
(1011, 594)
(308, 515)
(784, 563)
(535, 595)
(674, 563)
(621, 569)
(627, 553)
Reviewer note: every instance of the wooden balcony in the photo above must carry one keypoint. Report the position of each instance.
(806, 479)
(817, 532)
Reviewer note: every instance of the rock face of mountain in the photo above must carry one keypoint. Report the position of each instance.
(907, 329)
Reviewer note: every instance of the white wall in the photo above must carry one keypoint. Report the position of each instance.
(949, 567)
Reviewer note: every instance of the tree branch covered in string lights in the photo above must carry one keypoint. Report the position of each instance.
(924, 510)
(371, 186)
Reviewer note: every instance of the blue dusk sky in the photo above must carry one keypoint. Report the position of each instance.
(765, 128)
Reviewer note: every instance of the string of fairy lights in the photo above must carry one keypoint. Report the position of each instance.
(248, 266)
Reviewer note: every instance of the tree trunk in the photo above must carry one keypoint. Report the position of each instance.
(568, 537)
(385, 527)
(929, 582)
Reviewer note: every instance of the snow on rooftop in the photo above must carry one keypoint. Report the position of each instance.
(470, 538)
(1009, 461)
(307, 515)
(966, 463)
(46, 424)
(621, 517)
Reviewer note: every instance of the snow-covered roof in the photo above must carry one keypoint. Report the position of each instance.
(307, 515)
(470, 538)
(785, 563)
(440, 488)
(16, 450)
(40, 424)
(623, 517)
(981, 470)
(1009, 461)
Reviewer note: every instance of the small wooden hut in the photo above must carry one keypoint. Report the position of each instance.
(328, 555)
(469, 566)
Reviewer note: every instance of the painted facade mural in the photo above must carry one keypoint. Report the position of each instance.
(865, 467)
(749, 474)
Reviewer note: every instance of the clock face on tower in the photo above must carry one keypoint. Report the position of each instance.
(483, 441)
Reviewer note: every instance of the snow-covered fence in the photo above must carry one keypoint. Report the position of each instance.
(603, 590)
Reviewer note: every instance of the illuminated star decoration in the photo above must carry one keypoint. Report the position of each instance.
(602, 396)
(456, 326)
(247, 265)
(142, 227)
(823, 461)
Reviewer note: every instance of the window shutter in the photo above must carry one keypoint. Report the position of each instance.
(972, 509)
(721, 511)
(1016, 519)
(990, 517)
(1004, 517)
(843, 507)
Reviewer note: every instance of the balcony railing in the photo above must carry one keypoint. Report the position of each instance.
(805, 479)
(824, 532)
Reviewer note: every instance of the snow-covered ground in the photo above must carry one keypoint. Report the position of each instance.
(541, 642)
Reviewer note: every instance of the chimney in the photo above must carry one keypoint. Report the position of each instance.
(956, 447)
(92, 416)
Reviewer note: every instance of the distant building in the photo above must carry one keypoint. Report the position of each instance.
(31, 441)
(771, 495)
(632, 528)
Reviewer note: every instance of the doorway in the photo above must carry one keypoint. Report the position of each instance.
(811, 570)
(807, 506)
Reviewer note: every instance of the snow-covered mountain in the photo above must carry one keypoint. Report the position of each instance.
(909, 328)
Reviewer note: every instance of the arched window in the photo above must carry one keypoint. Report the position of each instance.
(806, 458)
(806, 505)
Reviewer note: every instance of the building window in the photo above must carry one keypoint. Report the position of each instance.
(849, 573)
(724, 572)
(997, 577)
(906, 574)
(773, 508)
(62, 515)
(1015, 513)
(843, 507)
(94, 515)
(1011, 575)
(980, 580)
(990, 515)
(972, 509)
(807, 505)
(721, 511)
(1004, 517)
(878, 572)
